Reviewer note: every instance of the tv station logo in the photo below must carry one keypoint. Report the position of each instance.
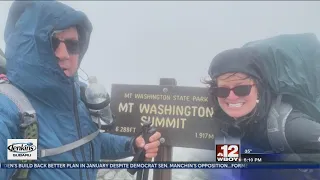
(227, 152)
(22, 149)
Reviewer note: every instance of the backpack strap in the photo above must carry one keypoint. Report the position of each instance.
(29, 126)
(68, 147)
(276, 122)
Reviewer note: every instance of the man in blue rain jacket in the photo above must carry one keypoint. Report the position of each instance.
(45, 43)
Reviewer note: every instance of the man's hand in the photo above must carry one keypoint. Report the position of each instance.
(152, 147)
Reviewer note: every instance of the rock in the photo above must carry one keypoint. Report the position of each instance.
(109, 175)
(123, 175)
(102, 172)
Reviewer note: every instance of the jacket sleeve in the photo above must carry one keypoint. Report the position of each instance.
(116, 147)
(9, 123)
(303, 136)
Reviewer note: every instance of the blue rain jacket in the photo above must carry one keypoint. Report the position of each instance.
(62, 116)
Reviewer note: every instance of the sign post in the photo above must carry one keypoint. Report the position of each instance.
(183, 115)
(165, 152)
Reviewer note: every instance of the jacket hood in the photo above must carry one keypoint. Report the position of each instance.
(243, 60)
(31, 63)
(235, 60)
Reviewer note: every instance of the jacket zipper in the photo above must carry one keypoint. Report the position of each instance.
(76, 115)
(92, 151)
(75, 157)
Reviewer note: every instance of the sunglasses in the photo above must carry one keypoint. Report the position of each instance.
(223, 92)
(73, 46)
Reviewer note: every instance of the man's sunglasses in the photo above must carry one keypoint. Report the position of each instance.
(73, 46)
(223, 92)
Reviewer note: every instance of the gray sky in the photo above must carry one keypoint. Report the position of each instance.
(140, 42)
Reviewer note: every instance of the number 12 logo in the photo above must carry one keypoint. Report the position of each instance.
(227, 152)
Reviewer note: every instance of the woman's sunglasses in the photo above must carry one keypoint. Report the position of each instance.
(223, 92)
(73, 46)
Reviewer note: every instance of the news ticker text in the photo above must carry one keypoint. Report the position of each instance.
(158, 165)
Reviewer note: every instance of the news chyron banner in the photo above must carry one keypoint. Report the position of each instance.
(183, 115)
(156, 165)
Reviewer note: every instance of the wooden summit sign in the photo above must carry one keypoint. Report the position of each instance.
(183, 115)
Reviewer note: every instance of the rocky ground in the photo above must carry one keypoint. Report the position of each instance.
(179, 154)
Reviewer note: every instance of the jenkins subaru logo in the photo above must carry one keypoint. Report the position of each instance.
(22, 149)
